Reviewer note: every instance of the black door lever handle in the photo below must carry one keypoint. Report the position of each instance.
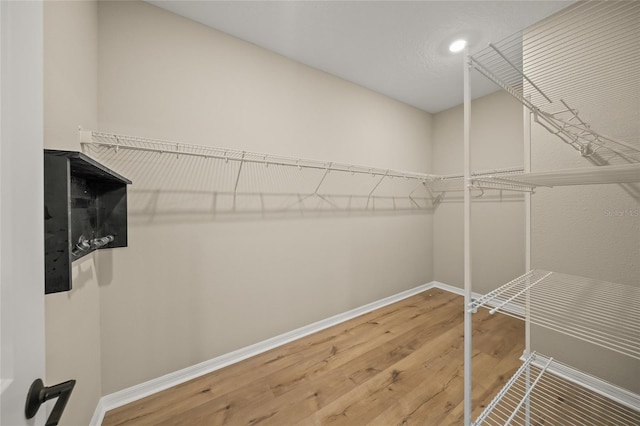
(39, 393)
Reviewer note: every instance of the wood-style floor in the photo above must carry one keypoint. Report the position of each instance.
(398, 365)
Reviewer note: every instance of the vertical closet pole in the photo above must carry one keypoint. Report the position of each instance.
(527, 220)
(527, 252)
(467, 242)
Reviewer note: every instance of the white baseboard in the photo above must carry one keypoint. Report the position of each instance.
(134, 393)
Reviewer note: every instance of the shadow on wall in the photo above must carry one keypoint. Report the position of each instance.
(632, 189)
(178, 188)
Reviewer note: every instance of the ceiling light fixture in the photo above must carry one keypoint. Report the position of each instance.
(457, 46)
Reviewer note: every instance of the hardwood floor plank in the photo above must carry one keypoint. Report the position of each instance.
(331, 345)
(349, 375)
(401, 364)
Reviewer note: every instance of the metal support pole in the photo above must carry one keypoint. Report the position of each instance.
(527, 250)
(468, 316)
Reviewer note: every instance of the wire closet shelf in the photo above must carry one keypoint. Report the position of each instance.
(561, 71)
(421, 189)
(238, 175)
(134, 143)
(551, 89)
(568, 303)
(538, 395)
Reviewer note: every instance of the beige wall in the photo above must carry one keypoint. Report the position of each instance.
(186, 291)
(70, 99)
(575, 230)
(590, 231)
(497, 218)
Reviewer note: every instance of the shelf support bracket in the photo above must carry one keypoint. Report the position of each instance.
(374, 188)
(235, 187)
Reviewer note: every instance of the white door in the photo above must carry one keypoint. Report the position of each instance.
(21, 208)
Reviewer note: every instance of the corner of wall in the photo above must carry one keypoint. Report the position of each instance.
(499, 224)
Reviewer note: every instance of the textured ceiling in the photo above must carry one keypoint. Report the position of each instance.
(398, 48)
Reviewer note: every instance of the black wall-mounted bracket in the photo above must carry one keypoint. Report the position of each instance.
(85, 210)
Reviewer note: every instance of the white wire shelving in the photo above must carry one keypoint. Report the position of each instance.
(613, 174)
(561, 69)
(167, 172)
(585, 58)
(514, 179)
(455, 182)
(134, 143)
(539, 394)
(602, 313)
(233, 180)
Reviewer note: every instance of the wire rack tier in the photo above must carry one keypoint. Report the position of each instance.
(539, 394)
(117, 142)
(455, 182)
(514, 179)
(171, 175)
(564, 64)
(612, 174)
(603, 313)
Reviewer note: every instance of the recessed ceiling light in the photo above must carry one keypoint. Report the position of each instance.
(457, 46)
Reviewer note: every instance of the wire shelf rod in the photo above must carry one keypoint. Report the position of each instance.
(549, 409)
(620, 340)
(514, 41)
(597, 340)
(519, 72)
(572, 36)
(569, 33)
(615, 87)
(599, 64)
(552, 301)
(554, 399)
(483, 172)
(579, 12)
(593, 386)
(505, 389)
(504, 68)
(555, 23)
(159, 146)
(584, 54)
(608, 336)
(565, 288)
(595, 301)
(622, 173)
(479, 66)
(560, 34)
(566, 304)
(582, 140)
(494, 293)
(528, 392)
(518, 294)
(582, 128)
(595, 94)
(500, 186)
(570, 86)
(579, 137)
(554, 384)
